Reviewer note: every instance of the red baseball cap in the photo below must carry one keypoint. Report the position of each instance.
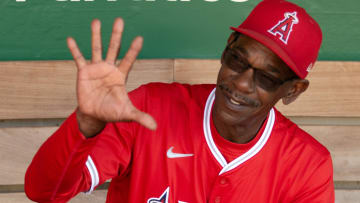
(287, 30)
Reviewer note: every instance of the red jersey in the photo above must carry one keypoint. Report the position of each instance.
(184, 159)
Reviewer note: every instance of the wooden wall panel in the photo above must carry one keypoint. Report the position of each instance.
(333, 91)
(37, 89)
(145, 71)
(19, 145)
(17, 148)
(196, 71)
(334, 86)
(98, 196)
(347, 196)
(343, 144)
(46, 89)
(341, 196)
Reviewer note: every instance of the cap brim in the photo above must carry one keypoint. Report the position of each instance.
(272, 46)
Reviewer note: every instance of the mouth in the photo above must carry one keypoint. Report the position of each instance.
(238, 103)
(236, 100)
(235, 104)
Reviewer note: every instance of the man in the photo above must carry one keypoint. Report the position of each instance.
(196, 143)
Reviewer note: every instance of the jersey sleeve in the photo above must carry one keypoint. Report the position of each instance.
(319, 185)
(68, 163)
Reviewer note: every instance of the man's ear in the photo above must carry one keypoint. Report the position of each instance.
(297, 87)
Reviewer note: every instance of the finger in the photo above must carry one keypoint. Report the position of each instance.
(115, 40)
(96, 46)
(130, 57)
(76, 53)
(143, 118)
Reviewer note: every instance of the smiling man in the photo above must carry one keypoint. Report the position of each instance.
(195, 143)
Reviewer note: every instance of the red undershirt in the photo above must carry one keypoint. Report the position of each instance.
(231, 150)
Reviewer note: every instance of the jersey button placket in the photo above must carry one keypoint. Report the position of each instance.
(224, 182)
(221, 187)
(217, 199)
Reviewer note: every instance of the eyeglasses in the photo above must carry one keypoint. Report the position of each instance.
(236, 61)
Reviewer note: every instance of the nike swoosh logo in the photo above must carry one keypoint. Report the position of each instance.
(171, 155)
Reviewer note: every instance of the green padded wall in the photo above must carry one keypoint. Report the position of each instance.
(37, 29)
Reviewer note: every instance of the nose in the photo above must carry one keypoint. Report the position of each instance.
(244, 81)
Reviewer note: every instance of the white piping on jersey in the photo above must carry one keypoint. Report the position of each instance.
(93, 174)
(207, 131)
(244, 157)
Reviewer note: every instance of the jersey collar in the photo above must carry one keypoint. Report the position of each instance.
(244, 157)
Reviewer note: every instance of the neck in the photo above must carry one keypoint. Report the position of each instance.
(242, 132)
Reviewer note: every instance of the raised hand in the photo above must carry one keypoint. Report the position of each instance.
(101, 92)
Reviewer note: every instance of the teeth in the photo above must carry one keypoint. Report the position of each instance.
(234, 102)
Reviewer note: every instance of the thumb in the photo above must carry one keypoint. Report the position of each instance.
(143, 118)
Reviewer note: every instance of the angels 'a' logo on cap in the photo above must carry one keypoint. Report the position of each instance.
(284, 27)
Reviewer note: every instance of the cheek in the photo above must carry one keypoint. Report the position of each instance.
(221, 77)
(224, 75)
(268, 100)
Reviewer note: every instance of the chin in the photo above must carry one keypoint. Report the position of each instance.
(231, 119)
(231, 116)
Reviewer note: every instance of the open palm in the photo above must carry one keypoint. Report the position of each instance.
(101, 92)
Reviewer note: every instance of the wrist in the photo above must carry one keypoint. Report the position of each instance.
(88, 125)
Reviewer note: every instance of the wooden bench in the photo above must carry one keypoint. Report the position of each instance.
(36, 96)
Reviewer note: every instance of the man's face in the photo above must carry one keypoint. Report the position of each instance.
(251, 81)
